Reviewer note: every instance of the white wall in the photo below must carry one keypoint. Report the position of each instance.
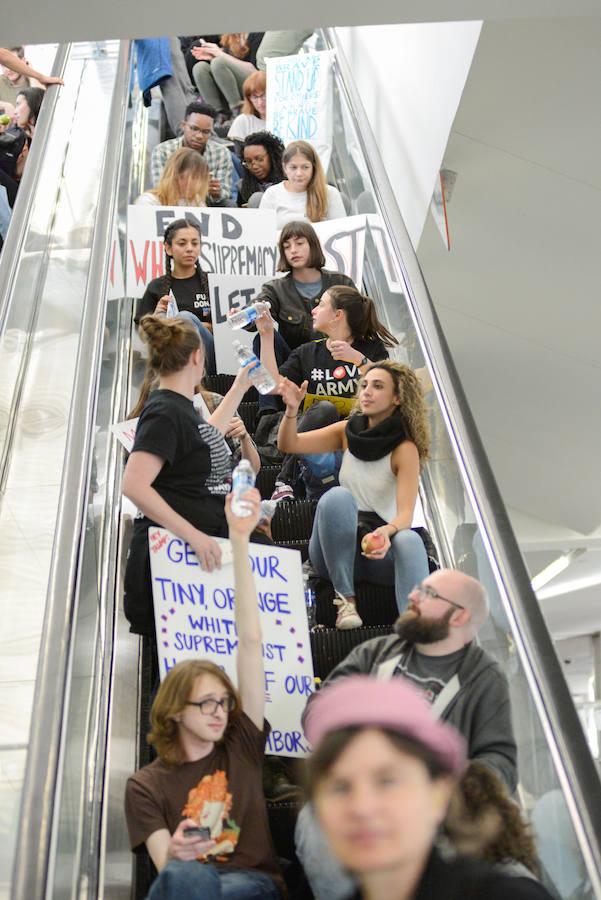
(410, 79)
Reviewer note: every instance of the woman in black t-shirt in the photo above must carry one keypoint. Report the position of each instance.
(175, 472)
(355, 337)
(184, 281)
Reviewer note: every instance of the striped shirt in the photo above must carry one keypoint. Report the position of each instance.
(219, 480)
(218, 157)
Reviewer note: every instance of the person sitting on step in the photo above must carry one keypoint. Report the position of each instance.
(434, 646)
(363, 528)
(332, 367)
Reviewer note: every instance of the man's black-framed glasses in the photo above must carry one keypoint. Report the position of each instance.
(428, 591)
(209, 706)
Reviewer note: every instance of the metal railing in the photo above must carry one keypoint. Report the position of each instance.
(573, 762)
(47, 733)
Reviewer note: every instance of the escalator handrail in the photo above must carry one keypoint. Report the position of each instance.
(46, 745)
(13, 245)
(574, 763)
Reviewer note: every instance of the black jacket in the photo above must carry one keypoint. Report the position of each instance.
(467, 879)
(480, 709)
(293, 312)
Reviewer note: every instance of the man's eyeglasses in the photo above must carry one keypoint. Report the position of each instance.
(257, 161)
(206, 132)
(209, 706)
(426, 591)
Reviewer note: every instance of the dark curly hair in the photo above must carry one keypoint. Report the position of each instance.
(484, 821)
(250, 184)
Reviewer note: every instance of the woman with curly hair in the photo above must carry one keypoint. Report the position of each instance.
(363, 527)
(184, 182)
(261, 156)
(252, 114)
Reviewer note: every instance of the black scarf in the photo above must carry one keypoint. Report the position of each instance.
(369, 444)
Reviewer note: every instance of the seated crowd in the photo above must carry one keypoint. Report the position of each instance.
(414, 762)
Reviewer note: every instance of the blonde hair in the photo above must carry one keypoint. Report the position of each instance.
(254, 84)
(171, 700)
(170, 343)
(184, 162)
(317, 189)
(412, 408)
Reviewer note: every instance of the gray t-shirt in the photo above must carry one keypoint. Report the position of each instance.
(429, 673)
(308, 289)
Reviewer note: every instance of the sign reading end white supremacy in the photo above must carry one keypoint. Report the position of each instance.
(195, 619)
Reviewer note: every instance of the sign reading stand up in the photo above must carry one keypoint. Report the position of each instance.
(195, 619)
(300, 100)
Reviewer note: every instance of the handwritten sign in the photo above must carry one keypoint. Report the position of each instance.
(381, 240)
(195, 619)
(234, 242)
(299, 100)
(231, 292)
(343, 244)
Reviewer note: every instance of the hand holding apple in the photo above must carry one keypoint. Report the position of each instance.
(375, 544)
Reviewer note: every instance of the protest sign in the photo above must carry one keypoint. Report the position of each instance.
(381, 240)
(195, 619)
(343, 243)
(299, 100)
(231, 292)
(234, 242)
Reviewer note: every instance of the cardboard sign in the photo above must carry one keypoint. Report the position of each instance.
(231, 292)
(234, 242)
(299, 100)
(195, 619)
(343, 244)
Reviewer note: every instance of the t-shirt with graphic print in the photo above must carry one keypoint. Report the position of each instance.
(191, 294)
(429, 673)
(329, 379)
(222, 791)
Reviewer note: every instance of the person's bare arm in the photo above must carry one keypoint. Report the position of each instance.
(322, 440)
(12, 61)
(405, 463)
(221, 417)
(249, 655)
(162, 846)
(237, 429)
(266, 330)
(140, 472)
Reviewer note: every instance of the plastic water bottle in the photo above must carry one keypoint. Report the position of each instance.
(268, 508)
(310, 604)
(243, 478)
(248, 314)
(258, 374)
(172, 307)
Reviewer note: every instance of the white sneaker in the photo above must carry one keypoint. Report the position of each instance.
(347, 617)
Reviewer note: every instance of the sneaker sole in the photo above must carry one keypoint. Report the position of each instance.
(349, 622)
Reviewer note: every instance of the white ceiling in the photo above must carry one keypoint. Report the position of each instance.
(30, 21)
(518, 296)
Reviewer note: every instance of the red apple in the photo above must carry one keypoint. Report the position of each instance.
(372, 542)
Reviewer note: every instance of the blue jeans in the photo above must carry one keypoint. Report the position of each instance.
(194, 880)
(333, 551)
(206, 337)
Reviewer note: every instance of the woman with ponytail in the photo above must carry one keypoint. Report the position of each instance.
(178, 471)
(184, 281)
(363, 529)
(304, 194)
(331, 369)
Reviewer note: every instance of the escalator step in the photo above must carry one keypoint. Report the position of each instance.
(221, 384)
(329, 646)
(375, 604)
(282, 819)
(249, 412)
(265, 482)
(301, 546)
(293, 520)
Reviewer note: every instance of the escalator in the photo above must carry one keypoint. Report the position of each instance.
(66, 836)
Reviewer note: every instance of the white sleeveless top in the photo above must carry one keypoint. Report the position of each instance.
(373, 485)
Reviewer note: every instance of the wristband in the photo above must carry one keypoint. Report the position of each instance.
(396, 530)
(286, 416)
